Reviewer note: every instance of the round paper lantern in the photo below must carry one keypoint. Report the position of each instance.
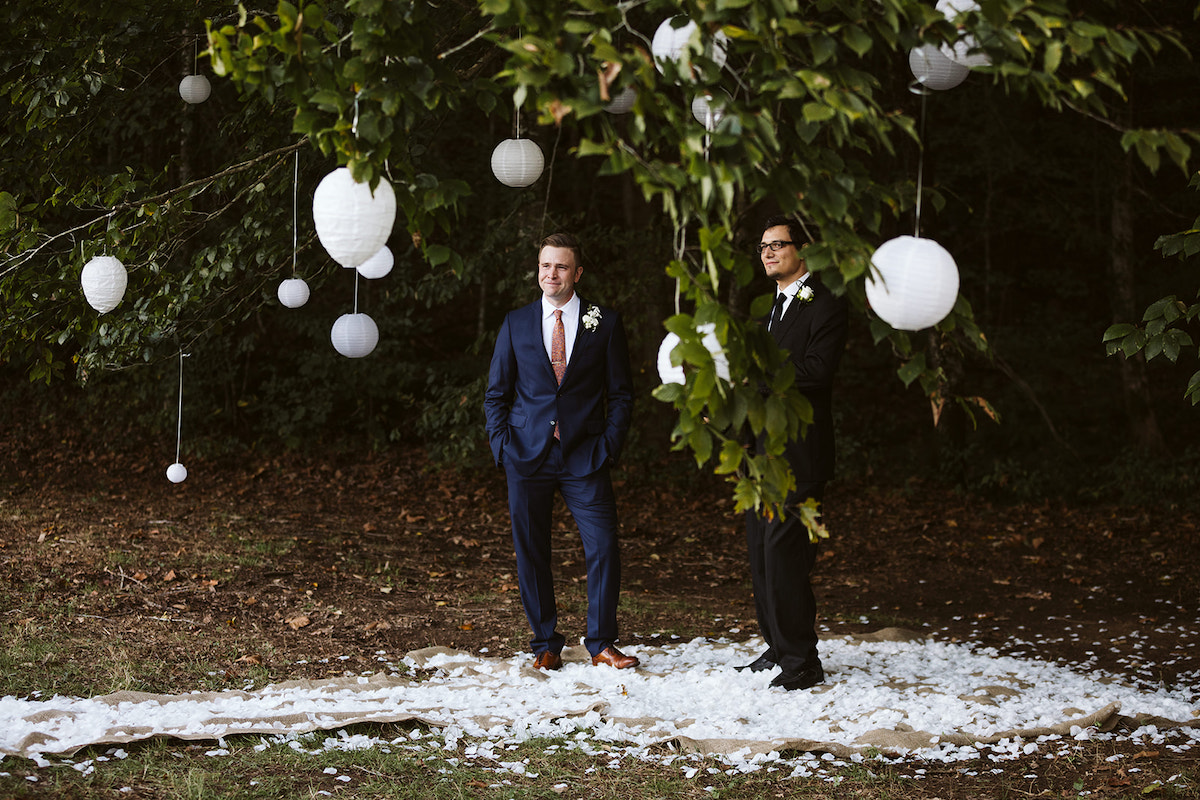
(934, 70)
(623, 102)
(713, 345)
(354, 335)
(961, 53)
(517, 162)
(194, 89)
(668, 372)
(177, 473)
(103, 280)
(352, 221)
(293, 292)
(377, 265)
(917, 283)
(681, 45)
(708, 111)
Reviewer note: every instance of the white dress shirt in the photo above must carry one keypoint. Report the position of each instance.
(570, 318)
(790, 291)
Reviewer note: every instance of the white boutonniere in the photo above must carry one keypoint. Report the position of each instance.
(592, 318)
(805, 295)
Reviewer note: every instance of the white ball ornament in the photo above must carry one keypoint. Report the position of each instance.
(293, 292)
(104, 280)
(177, 473)
(917, 284)
(378, 265)
(195, 89)
(352, 221)
(623, 102)
(517, 162)
(681, 45)
(354, 335)
(933, 69)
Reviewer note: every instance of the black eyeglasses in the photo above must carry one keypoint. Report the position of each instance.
(775, 246)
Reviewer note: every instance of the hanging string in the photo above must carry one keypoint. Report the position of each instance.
(179, 422)
(295, 232)
(356, 290)
(920, 167)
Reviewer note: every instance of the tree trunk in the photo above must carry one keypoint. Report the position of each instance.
(1145, 434)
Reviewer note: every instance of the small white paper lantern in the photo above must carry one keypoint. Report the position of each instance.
(378, 265)
(177, 473)
(708, 111)
(933, 69)
(517, 162)
(293, 292)
(623, 102)
(194, 89)
(681, 45)
(354, 335)
(917, 283)
(352, 221)
(103, 280)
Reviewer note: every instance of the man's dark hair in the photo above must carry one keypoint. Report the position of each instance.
(564, 240)
(795, 231)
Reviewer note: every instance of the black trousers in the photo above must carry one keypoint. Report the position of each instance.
(781, 560)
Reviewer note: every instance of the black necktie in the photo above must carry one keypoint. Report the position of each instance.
(777, 311)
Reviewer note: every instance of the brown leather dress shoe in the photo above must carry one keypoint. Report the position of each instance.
(547, 660)
(614, 658)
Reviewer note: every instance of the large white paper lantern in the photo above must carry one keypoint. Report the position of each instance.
(961, 53)
(194, 89)
(669, 373)
(352, 221)
(177, 473)
(293, 292)
(713, 345)
(378, 265)
(708, 110)
(933, 69)
(354, 335)
(517, 162)
(103, 280)
(682, 45)
(917, 283)
(623, 102)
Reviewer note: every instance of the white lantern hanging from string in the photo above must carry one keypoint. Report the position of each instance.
(917, 283)
(517, 162)
(961, 53)
(293, 292)
(668, 372)
(708, 111)
(623, 102)
(352, 221)
(682, 45)
(378, 265)
(177, 473)
(354, 335)
(713, 345)
(933, 69)
(195, 89)
(104, 280)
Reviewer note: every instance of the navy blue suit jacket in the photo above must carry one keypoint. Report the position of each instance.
(593, 406)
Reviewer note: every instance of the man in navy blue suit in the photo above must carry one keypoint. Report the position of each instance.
(558, 406)
(811, 323)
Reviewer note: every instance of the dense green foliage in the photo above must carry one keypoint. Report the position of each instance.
(818, 120)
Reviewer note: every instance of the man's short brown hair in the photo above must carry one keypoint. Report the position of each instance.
(563, 240)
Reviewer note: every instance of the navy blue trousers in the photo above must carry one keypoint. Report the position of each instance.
(591, 502)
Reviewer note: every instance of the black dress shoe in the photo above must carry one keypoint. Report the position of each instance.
(804, 678)
(760, 664)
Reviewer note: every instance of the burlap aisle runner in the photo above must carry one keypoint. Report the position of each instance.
(891, 690)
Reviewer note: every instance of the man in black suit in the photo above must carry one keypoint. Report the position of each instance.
(558, 405)
(809, 322)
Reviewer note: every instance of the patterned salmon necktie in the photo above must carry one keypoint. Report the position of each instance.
(558, 353)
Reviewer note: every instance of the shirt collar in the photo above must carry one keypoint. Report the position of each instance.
(793, 288)
(570, 309)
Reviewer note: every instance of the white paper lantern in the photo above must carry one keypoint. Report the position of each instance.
(352, 221)
(293, 292)
(103, 280)
(917, 283)
(177, 473)
(681, 45)
(517, 162)
(961, 53)
(934, 70)
(378, 265)
(713, 345)
(708, 111)
(623, 102)
(194, 89)
(667, 372)
(354, 335)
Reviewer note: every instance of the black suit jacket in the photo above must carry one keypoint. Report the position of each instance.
(814, 334)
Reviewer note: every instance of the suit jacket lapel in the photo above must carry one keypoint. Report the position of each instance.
(581, 340)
